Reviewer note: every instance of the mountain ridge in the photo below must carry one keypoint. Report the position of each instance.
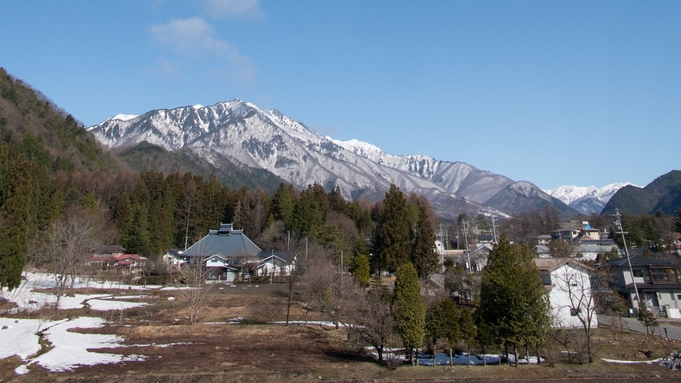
(267, 139)
(586, 199)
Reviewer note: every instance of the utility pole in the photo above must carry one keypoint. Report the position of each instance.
(442, 247)
(494, 230)
(465, 240)
(618, 226)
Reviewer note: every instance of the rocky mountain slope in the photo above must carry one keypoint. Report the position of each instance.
(240, 133)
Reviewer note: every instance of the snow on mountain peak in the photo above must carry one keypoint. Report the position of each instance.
(197, 106)
(123, 117)
(364, 149)
(569, 194)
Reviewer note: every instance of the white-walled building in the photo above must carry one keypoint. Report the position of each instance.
(570, 293)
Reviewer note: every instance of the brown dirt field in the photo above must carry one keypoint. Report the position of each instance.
(252, 352)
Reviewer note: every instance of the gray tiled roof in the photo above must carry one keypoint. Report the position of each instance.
(225, 241)
(640, 261)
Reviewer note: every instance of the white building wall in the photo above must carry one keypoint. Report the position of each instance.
(571, 289)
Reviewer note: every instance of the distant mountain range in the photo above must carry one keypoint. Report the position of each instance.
(586, 199)
(239, 135)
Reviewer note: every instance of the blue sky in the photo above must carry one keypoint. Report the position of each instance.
(552, 92)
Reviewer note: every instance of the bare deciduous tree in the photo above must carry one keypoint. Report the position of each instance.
(579, 300)
(561, 248)
(375, 323)
(65, 248)
(198, 292)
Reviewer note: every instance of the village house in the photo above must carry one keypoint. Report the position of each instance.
(657, 282)
(587, 243)
(569, 291)
(229, 254)
(113, 256)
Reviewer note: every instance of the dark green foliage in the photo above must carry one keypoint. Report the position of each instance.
(468, 330)
(410, 312)
(307, 214)
(646, 230)
(442, 322)
(647, 318)
(392, 240)
(677, 221)
(15, 216)
(424, 256)
(282, 204)
(513, 305)
(361, 269)
(145, 157)
(361, 216)
(337, 202)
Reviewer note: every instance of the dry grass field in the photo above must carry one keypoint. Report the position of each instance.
(217, 351)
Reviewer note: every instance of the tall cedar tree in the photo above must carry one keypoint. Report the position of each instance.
(361, 267)
(513, 303)
(15, 201)
(307, 215)
(442, 323)
(468, 330)
(282, 205)
(392, 239)
(410, 312)
(424, 256)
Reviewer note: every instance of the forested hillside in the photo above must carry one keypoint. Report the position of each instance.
(147, 157)
(663, 194)
(52, 171)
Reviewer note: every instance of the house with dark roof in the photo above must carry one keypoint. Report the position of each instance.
(228, 253)
(657, 282)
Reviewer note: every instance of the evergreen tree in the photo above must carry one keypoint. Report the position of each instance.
(410, 312)
(677, 221)
(392, 239)
(307, 215)
(336, 201)
(451, 325)
(15, 200)
(468, 330)
(424, 256)
(513, 304)
(361, 269)
(442, 323)
(282, 204)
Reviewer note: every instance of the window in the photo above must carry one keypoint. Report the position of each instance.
(574, 312)
(638, 273)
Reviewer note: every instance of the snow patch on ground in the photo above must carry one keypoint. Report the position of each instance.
(631, 361)
(69, 349)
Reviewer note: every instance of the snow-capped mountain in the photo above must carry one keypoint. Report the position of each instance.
(586, 199)
(240, 132)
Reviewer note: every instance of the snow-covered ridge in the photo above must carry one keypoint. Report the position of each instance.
(240, 132)
(361, 148)
(123, 117)
(570, 194)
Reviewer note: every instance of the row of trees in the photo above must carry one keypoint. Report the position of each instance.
(511, 311)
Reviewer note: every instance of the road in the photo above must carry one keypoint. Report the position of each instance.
(673, 331)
